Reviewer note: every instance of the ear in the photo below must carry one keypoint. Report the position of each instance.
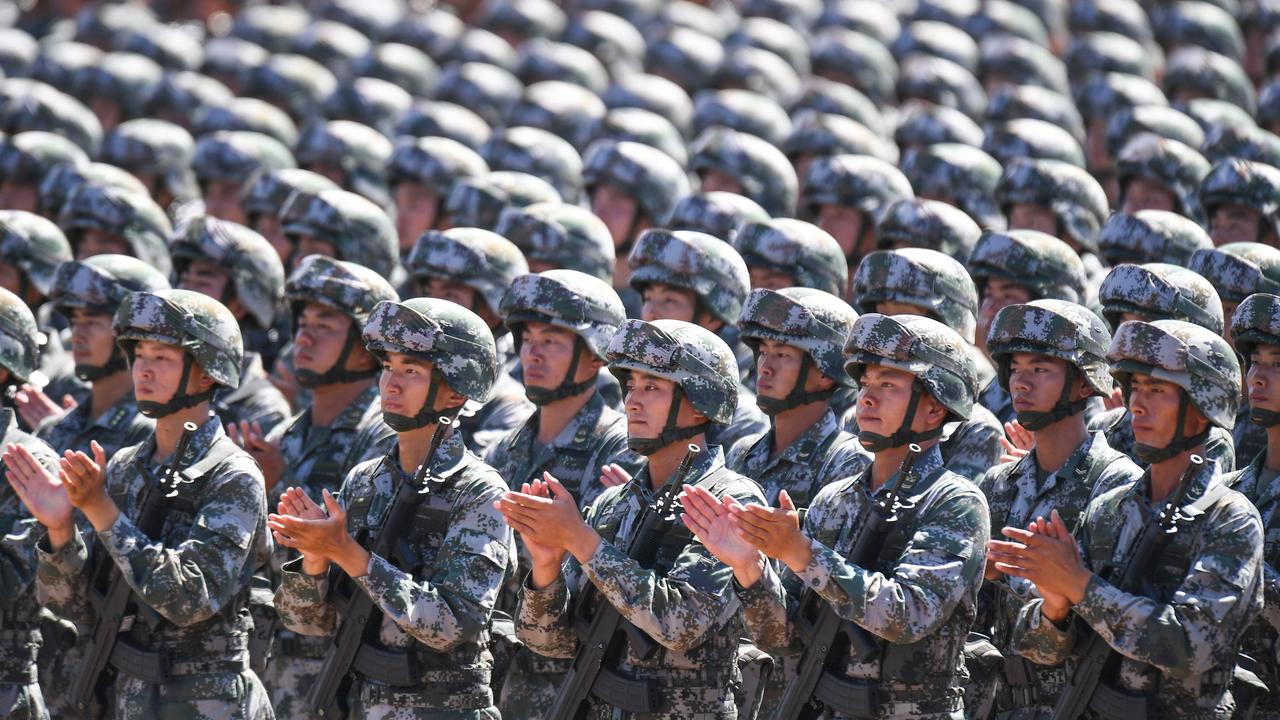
(200, 379)
(704, 318)
(1083, 388)
(361, 359)
(593, 362)
(4, 375)
(935, 413)
(1195, 423)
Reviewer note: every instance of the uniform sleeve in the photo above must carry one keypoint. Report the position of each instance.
(1220, 593)
(193, 581)
(975, 450)
(543, 621)
(765, 609)
(1270, 595)
(62, 577)
(467, 574)
(1039, 640)
(300, 601)
(942, 562)
(17, 558)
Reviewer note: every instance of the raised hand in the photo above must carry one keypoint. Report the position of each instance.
(250, 437)
(613, 475)
(44, 495)
(86, 481)
(295, 503)
(707, 517)
(774, 531)
(1047, 556)
(545, 556)
(317, 535)
(553, 520)
(34, 406)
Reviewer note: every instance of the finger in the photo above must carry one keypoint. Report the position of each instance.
(334, 507)
(1014, 570)
(558, 491)
(284, 540)
(1018, 534)
(1060, 525)
(99, 454)
(526, 531)
(695, 524)
(785, 502)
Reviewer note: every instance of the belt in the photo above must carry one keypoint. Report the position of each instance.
(302, 646)
(158, 664)
(444, 689)
(534, 664)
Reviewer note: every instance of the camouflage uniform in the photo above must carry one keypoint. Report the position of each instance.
(487, 263)
(1177, 640)
(438, 609)
(1019, 492)
(36, 246)
(937, 557)
(717, 275)
(193, 581)
(683, 603)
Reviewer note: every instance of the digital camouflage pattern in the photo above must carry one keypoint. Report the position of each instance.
(130, 216)
(20, 694)
(560, 235)
(27, 156)
(246, 114)
(1177, 167)
(479, 201)
(538, 153)
(924, 347)
(1177, 641)
(359, 231)
(61, 181)
(1238, 270)
(435, 163)
(1166, 122)
(482, 260)
(198, 324)
(685, 604)
(641, 126)
(1210, 74)
(586, 306)
(1189, 356)
(33, 244)
(1030, 138)
(1242, 182)
(254, 400)
(813, 321)
(271, 190)
(717, 213)
(694, 358)
(358, 151)
(1152, 236)
(854, 181)
(1070, 192)
(1046, 266)
(817, 134)
(1156, 291)
(455, 340)
(436, 594)
(565, 109)
(20, 338)
(254, 272)
(349, 288)
(1117, 425)
(124, 78)
(746, 111)
(822, 454)
(915, 222)
(762, 170)
(654, 180)
(1055, 328)
(963, 174)
(917, 603)
(373, 102)
(805, 251)
(154, 147)
(936, 283)
(193, 580)
(694, 261)
(234, 156)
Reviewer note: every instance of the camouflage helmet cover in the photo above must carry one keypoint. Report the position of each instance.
(763, 171)
(1242, 182)
(1070, 192)
(195, 322)
(587, 306)
(133, 217)
(914, 222)
(857, 181)
(1256, 322)
(455, 340)
(814, 321)
(20, 338)
(804, 251)
(1192, 357)
(1238, 270)
(694, 358)
(1043, 264)
(1059, 329)
(252, 265)
(1151, 236)
(717, 213)
(700, 263)
(102, 282)
(33, 244)
(655, 180)
(482, 260)
(1159, 291)
(924, 278)
(360, 231)
(354, 290)
(562, 236)
(931, 351)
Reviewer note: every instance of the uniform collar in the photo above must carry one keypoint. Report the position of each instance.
(704, 463)
(1200, 482)
(927, 464)
(201, 441)
(350, 418)
(445, 462)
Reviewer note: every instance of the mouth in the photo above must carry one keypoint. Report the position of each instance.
(391, 406)
(1019, 404)
(1256, 398)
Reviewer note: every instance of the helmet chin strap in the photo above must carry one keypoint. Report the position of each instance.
(114, 364)
(567, 387)
(1178, 445)
(181, 399)
(875, 442)
(1264, 418)
(671, 433)
(1036, 421)
(338, 372)
(797, 396)
(427, 414)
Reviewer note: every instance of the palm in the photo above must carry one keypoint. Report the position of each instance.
(44, 496)
(727, 543)
(544, 555)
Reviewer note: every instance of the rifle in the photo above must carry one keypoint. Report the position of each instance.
(603, 632)
(828, 638)
(114, 603)
(1086, 689)
(360, 617)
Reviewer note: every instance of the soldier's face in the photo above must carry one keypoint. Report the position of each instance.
(1025, 216)
(647, 403)
(19, 196)
(1263, 379)
(547, 351)
(404, 384)
(157, 371)
(222, 200)
(1147, 194)
(845, 224)
(10, 278)
(1154, 404)
(92, 339)
(997, 294)
(778, 371)
(883, 396)
(1233, 223)
(664, 302)
(451, 290)
(1035, 382)
(769, 279)
(308, 245)
(416, 212)
(618, 210)
(893, 307)
(108, 111)
(319, 337)
(713, 180)
(270, 227)
(99, 242)
(206, 278)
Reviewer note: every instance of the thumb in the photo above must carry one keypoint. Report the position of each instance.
(333, 506)
(557, 490)
(99, 455)
(784, 501)
(68, 402)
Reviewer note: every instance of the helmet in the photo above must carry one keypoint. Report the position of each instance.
(805, 252)
(656, 94)
(1223, 142)
(30, 105)
(641, 126)
(855, 181)
(538, 153)
(359, 150)
(372, 102)
(1026, 62)
(351, 289)
(1241, 182)
(700, 263)
(763, 171)
(402, 65)
(123, 77)
(833, 98)
(1168, 162)
(652, 178)
(1257, 322)
(1160, 291)
(1035, 139)
(686, 56)
(201, 326)
(1043, 264)
(479, 201)
(1106, 52)
(100, 284)
(34, 245)
(25, 158)
(612, 39)
(941, 82)
(270, 190)
(560, 235)
(430, 118)
(965, 174)
(935, 38)
(246, 114)
(1238, 270)
(359, 231)
(482, 260)
(742, 110)
(435, 163)
(857, 60)
(487, 90)
(1058, 329)
(1013, 102)
(133, 217)
(818, 134)
(155, 147)
(1209, 74)
(184, 93)
(541, 60)
(20, 339)
(1151, 236)
(567, 110)
(924, 278)
(1130, 122)
(62, 180)
(716, 213)
(912, 222)
(252, 265)
(759, 70)
(234, 156)
(921, 124)
(1102, 96)
(1070, 192)
(810, 320)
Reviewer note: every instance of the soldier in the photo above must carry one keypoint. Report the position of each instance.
(556, 236)
(421, 173)
(25, 159)
(562, 322)
(693, 277)
(158, 153)
(846, 194)
(341, 427)
(916, 222)
(227, 160)
(914, 606)
(1174, 642)
(190, 574)
(474, 268)
(1158, 292)
(960, 175)
(100, 219)
(352, 155)
(1051, 357)
(238, 267)
(341, 225)
(1155, 173)
(265, 197)
(432, 599)
(1257, 339)
(20, 694)
(1059, 199)
(538, 153)
(1242, 201)
(479, 201)
(732, 161)
(915, 281)
(787, 253)
(1151, 236)
(716, 213)
(681, 379)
